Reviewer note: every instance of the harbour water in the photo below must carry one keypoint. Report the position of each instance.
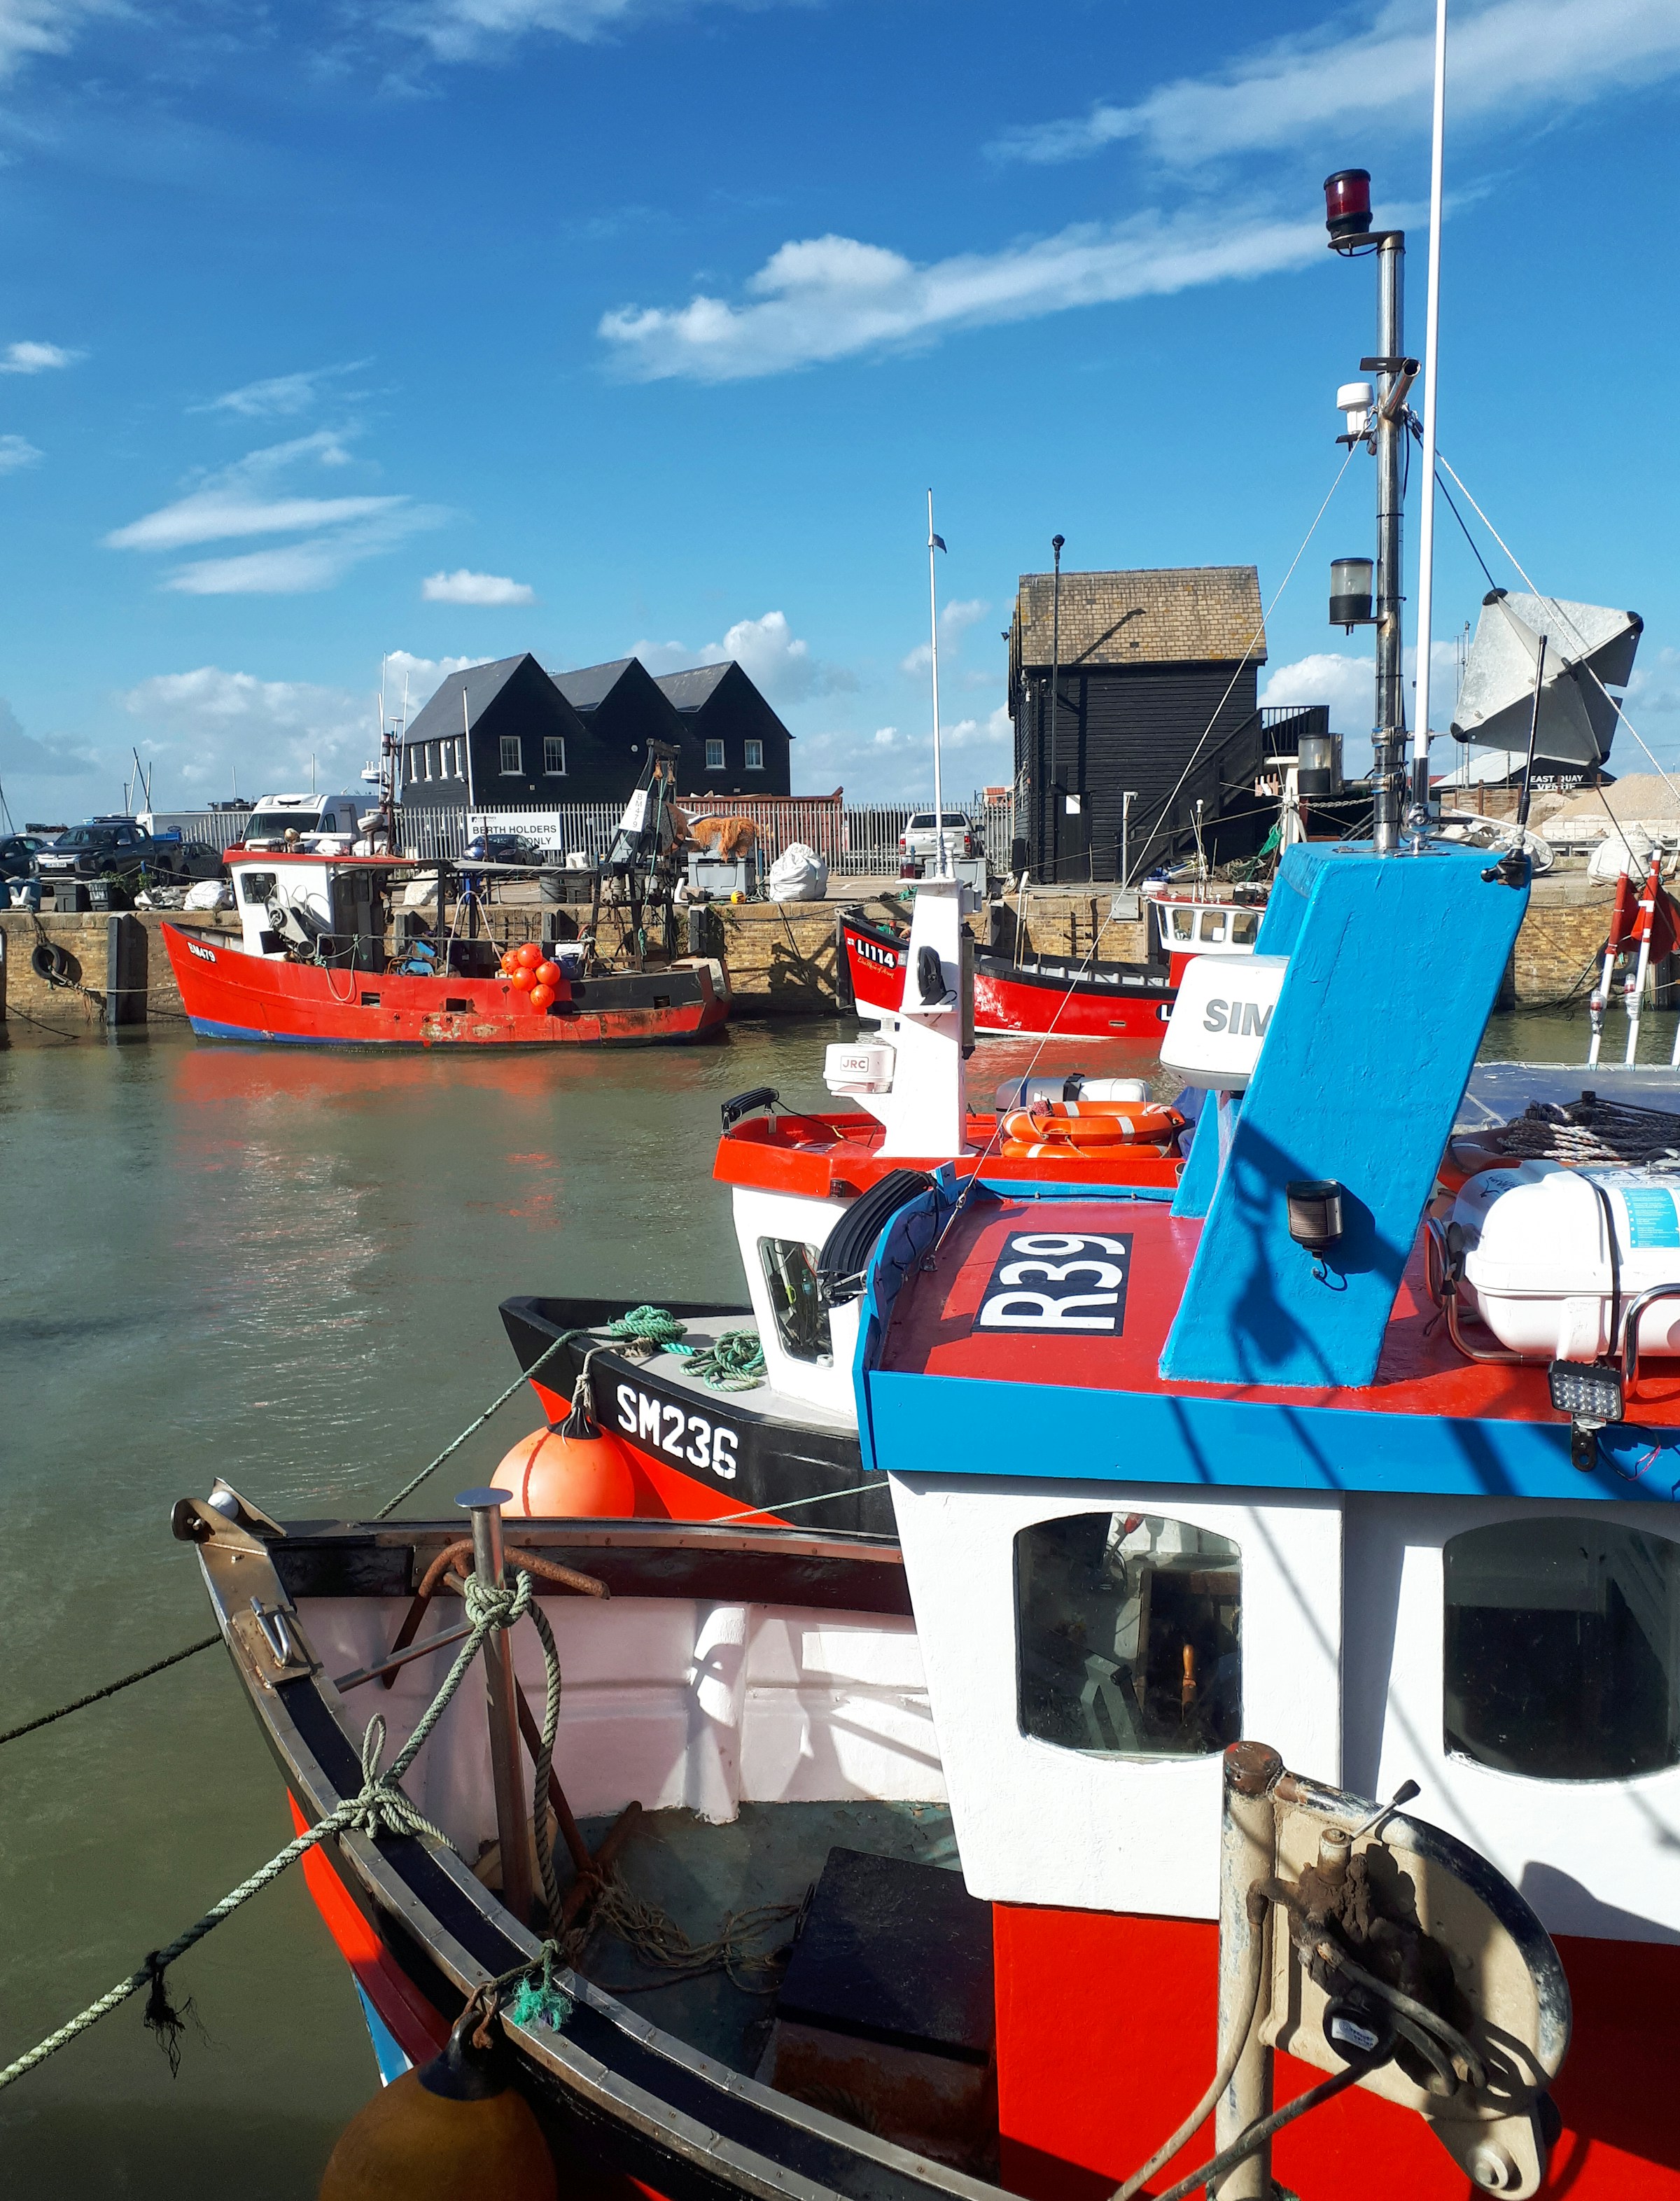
(284, 1267)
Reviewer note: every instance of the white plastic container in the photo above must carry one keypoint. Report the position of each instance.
(1022, 1092)
(1538, 1264)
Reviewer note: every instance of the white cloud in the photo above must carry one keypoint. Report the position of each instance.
(468, 30)
(23, 756)
(466, 588)
(891, 765)
(26, 358)
(280, 394)
(1347, 683)
(827, 297)
(414, 680)
(246, 499)
(205, 724)
(776, 661)
(17, 451)
(955, 620)
(28, 27)
(1506, 59)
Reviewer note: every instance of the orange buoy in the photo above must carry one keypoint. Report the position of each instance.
(541, 996)
(453, 2130)
(548, 973)
(554, 1476)
(529, 956)
(520, 979)
(508, 963)
(1095, 1123)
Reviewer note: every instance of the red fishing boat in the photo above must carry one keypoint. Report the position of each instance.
(311, 968)
(1033, 996)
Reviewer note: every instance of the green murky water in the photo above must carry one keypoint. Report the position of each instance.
(284, 1267)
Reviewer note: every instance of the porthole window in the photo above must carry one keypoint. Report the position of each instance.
(1128, 1630)
(801, 1319)
(1562, 1651)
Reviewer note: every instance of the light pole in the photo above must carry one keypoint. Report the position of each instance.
(1128, 796)
(1056, 542)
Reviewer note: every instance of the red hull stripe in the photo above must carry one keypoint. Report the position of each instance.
(1019, 1007)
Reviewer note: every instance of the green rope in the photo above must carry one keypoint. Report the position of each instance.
(647, 1325)
(734, 1361)
(454, 1445)
(379, 1807)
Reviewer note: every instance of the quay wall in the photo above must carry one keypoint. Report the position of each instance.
(781, 957)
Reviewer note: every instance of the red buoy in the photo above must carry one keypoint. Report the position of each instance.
(548, 973)
(521, 978)
(529, 956)
(553, 1476)
(541, 996)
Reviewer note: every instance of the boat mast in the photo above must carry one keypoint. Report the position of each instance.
(1347, 218)
(1431, 345)
(936, 543)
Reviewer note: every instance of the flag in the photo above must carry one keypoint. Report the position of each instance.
(937, 543)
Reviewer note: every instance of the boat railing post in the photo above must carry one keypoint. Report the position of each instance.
(507, 1765)
(1247, 1858)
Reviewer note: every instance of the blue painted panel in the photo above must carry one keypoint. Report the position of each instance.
(1395, 963)
(387, 2054)
(966, 1425)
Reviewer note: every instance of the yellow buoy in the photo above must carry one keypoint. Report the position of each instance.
(455, 2130)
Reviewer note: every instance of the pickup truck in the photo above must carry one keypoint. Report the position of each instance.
(110, 848)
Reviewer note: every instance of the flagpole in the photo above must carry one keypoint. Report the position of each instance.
(1431, 347)
(933, 544)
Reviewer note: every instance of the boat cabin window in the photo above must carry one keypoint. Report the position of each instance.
(1184, 923)
(801, 1319)
(1128, 1630)
(1244, 926)
(1562, 1651)
(1212, 924)
(257, 887)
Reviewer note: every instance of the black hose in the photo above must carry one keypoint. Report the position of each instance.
(1249, 2142)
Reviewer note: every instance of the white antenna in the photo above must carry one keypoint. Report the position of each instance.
(936, 543)
(1431, 352)
(312, 771)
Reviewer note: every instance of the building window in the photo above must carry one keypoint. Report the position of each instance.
(449, 767)
(801, 1319)
(1129, 1632)
(511, 759)
(714, 756)
(554, 754)
(755, 756)
(436, 761)
(1561, 1658)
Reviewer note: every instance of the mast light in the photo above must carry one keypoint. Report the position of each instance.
(1347, 203)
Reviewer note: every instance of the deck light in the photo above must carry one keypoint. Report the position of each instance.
(1350, 592)
(1315, 1213)
(1347, 203)
(1591, 1395)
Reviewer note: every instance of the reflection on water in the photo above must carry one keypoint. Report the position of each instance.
(284, 1267)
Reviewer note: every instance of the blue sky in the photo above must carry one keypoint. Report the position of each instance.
(450, 328)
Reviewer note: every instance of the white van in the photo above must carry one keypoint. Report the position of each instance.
(315, 819)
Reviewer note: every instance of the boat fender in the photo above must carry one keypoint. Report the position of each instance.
(52, 964)
(846, 1250)
(457, 2126)
(1058, 1150)
(1022, 1092)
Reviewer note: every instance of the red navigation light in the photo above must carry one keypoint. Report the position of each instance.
(1347, 203)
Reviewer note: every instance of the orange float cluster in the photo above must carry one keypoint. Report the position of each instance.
(530, 972)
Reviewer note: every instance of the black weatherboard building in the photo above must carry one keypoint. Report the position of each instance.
(1156, 693)
(733, 743)
(502, 736)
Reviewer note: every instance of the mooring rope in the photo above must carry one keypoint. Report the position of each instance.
(110, 1689)
(733, 1361)
(380, 1807)
(455, 1443)
(1590, 1133)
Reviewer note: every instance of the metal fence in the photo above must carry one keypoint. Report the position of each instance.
(859, 840)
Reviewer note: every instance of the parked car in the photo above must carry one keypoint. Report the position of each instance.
(107, 848)
(18, 852)
(920, 837)
(196, 860)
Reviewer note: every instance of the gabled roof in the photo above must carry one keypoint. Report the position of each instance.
(1167, 615)
(689, 691)
(591, 685)
(483, 684)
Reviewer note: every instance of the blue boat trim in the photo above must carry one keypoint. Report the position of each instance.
(972, 1426)
(387, 2055)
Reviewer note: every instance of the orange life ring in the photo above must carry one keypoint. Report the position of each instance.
(1095, 1123)
(1033, 1150)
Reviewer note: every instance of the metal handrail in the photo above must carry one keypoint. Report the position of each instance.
(1438, 1262)
(1631, 1330)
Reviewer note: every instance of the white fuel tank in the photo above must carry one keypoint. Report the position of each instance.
(1538, 1261)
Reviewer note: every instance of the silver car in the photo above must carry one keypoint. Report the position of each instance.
(920, 836)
